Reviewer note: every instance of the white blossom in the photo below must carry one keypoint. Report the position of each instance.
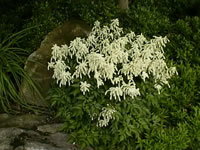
(108, 71)
(144, 75)
(65, 77)
(56, 52)
(84, 87)
(97, 76)
(99, 82)
(115, 92)
(65, 51)
(116, 53)
(81, 69)
(82, 52)
(96, 61)
(51, 65)
(91, 41)
(158, 87)
(130, 90)
(59, 67)
(105, 116)
(118, 80)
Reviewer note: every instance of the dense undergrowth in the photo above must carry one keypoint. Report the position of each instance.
(170, 120)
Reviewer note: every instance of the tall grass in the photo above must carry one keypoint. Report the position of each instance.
(12, 59)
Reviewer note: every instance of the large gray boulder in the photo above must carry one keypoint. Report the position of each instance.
(36, 64)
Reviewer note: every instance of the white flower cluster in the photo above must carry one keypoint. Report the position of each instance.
(105, 116)
(109, 55)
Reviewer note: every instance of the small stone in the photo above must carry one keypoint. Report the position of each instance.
(4, 117)
(5, 146)
(7, 137)
(60, 139)
(37, 146)
(9, 133)
(49, 128)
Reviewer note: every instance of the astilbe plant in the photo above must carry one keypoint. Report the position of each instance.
(103, 80)
(109, 56)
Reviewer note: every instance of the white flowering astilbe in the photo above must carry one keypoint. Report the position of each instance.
(107, 55)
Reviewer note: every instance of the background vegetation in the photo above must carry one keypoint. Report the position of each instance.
(170, 120)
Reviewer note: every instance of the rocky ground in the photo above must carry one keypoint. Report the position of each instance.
(32, 132)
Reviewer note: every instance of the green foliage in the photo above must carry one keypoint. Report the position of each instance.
(193, 127)
(45, 17)
(74, 109)
(184, 36)
(92, 10)
(170, 138)
(151, 121)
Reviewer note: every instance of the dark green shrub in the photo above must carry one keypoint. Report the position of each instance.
(45, 17)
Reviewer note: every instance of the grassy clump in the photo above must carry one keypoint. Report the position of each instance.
(12, 72)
